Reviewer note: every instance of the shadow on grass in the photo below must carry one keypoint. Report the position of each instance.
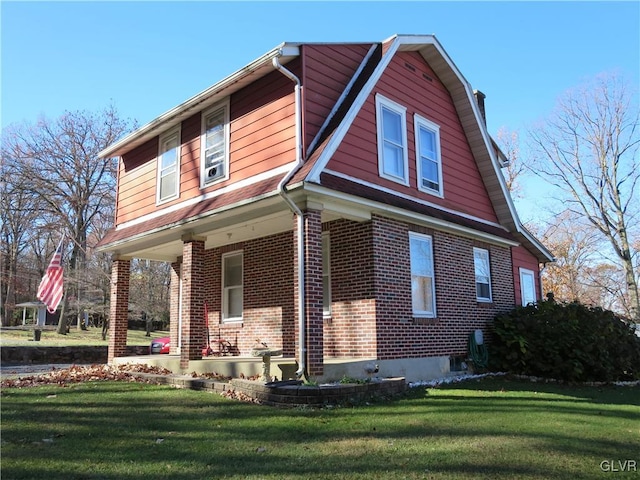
(609, 394)
(134, 431)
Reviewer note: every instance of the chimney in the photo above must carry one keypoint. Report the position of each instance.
(480, 101)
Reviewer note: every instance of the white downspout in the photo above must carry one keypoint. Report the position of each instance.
(302, 330)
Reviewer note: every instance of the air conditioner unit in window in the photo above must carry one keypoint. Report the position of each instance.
(214, 172)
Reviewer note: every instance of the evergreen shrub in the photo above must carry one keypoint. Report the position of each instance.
(565, 341)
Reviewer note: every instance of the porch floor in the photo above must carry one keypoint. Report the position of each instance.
(238, 367)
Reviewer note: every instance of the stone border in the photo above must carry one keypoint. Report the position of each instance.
(70, 354)
(286, 395)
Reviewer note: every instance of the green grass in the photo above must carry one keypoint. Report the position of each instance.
(491, 429)
(90, 337)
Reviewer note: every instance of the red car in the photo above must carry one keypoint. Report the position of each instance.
(162, 345)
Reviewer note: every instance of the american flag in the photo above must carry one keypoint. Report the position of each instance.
(51, 286)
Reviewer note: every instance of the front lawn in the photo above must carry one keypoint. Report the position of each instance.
(493, 428)
(92, 336)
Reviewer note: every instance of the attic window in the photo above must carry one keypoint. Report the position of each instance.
(429, 165)
(214, 160)
(393, 160)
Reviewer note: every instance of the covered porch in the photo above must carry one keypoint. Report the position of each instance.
(269, 240)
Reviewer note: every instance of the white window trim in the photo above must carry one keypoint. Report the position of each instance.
(161, 140)
(523, 272)
(326, 235)
(224, 303)
(488, 299)
(421, 122)
(203, 125)
(424, 313)
(381, 102)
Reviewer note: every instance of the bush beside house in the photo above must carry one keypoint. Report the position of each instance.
(566, 341)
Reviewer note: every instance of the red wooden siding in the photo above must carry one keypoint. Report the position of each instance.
(522, 258)
(327, 70)
(418, 88)
(262, 138)
(137, 180)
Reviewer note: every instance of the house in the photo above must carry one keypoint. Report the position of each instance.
(335, 201)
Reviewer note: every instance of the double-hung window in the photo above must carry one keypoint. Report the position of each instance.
(168, 166)
(483, 274)
(232, 287)
(527, 286)
(215, 145)
(423, 289)
(429, 165)
(393, 160)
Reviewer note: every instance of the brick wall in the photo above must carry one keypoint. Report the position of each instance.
(350, 331)
(268, 294)
(370, 277)
(457, 310)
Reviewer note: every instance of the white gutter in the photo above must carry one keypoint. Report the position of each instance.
(302, 329)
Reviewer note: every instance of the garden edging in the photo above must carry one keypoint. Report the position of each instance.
(286, 395)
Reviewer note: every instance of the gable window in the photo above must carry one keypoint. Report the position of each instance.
(326, 275)
(483, 274)
(429, 165)
(168, 166)
(527, 286)
(215, 145)
(393, 163)
(423, 290)
(232, 287)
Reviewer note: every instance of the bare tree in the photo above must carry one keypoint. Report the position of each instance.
(59, 161)
(150, 289)
(574, 248)
(588, 149)
(18, 210)
(509, 143)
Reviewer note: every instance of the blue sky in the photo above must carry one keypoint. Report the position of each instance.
(147, 57)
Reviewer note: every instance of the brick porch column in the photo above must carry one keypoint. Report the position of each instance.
(193, 326)
(119, 308)
(313, 290)
(174, 304)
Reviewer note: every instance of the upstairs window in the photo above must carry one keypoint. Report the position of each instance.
(168, 166)
(215, 145)
(483, 274)
(232, 290)
(423, 289)
(391, 122)
(429, 165)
